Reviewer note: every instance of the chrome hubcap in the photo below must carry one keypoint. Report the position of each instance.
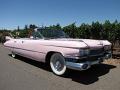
(58, 65)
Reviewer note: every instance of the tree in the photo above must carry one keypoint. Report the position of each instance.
(106, 29)
(96, 30)
(26, 27)
(55, 27)
(18, 28)
(84, 31)
(71, 30)
(32, 26)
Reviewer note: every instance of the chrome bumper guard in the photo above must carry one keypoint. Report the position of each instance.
(81, 66)
(108, 55)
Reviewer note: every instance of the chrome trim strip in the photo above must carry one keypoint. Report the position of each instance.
(65, 47)
(78, 57)
(25, 49)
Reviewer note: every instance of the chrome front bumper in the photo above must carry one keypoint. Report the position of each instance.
(87, 64)
(81, 66)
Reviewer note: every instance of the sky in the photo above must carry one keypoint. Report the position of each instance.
(14, 13)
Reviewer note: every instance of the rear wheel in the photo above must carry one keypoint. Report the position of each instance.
(57, 64)
(13, 55)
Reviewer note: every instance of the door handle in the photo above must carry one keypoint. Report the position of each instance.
(22, 41)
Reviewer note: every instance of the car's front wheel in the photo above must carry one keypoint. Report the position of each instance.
(57, 64)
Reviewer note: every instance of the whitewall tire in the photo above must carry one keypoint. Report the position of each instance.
(13, 55)
(57, 64)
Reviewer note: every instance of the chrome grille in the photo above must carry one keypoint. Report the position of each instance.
(90, 58)
(96, 51)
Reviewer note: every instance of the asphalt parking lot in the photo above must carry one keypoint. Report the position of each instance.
(25, 74)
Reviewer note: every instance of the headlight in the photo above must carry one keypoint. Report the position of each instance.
(107, 47)
(84, 52)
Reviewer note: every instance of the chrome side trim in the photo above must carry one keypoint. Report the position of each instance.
(24, 49)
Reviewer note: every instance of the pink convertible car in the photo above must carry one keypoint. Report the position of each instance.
(60, 51)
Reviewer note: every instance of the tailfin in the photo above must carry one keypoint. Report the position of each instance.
(8, 38)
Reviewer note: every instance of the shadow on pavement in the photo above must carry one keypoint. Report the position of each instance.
(84, 77)
(91, 75)
(33, 62)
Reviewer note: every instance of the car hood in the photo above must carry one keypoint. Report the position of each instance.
(80, 43)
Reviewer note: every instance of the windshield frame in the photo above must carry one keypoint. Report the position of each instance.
(52, 34)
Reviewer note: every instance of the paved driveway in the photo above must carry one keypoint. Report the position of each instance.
(26, 74)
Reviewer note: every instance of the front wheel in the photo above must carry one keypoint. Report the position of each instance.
(57, 64)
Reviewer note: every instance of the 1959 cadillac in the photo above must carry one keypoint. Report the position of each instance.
(60, 51)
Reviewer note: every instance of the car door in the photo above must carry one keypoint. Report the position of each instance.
(17, 44)
(32, 49)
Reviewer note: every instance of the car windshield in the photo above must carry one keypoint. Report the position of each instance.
(52, 34)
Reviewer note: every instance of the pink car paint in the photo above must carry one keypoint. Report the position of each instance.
(38, 49)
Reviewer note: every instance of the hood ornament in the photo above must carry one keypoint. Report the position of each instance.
(100, 43)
